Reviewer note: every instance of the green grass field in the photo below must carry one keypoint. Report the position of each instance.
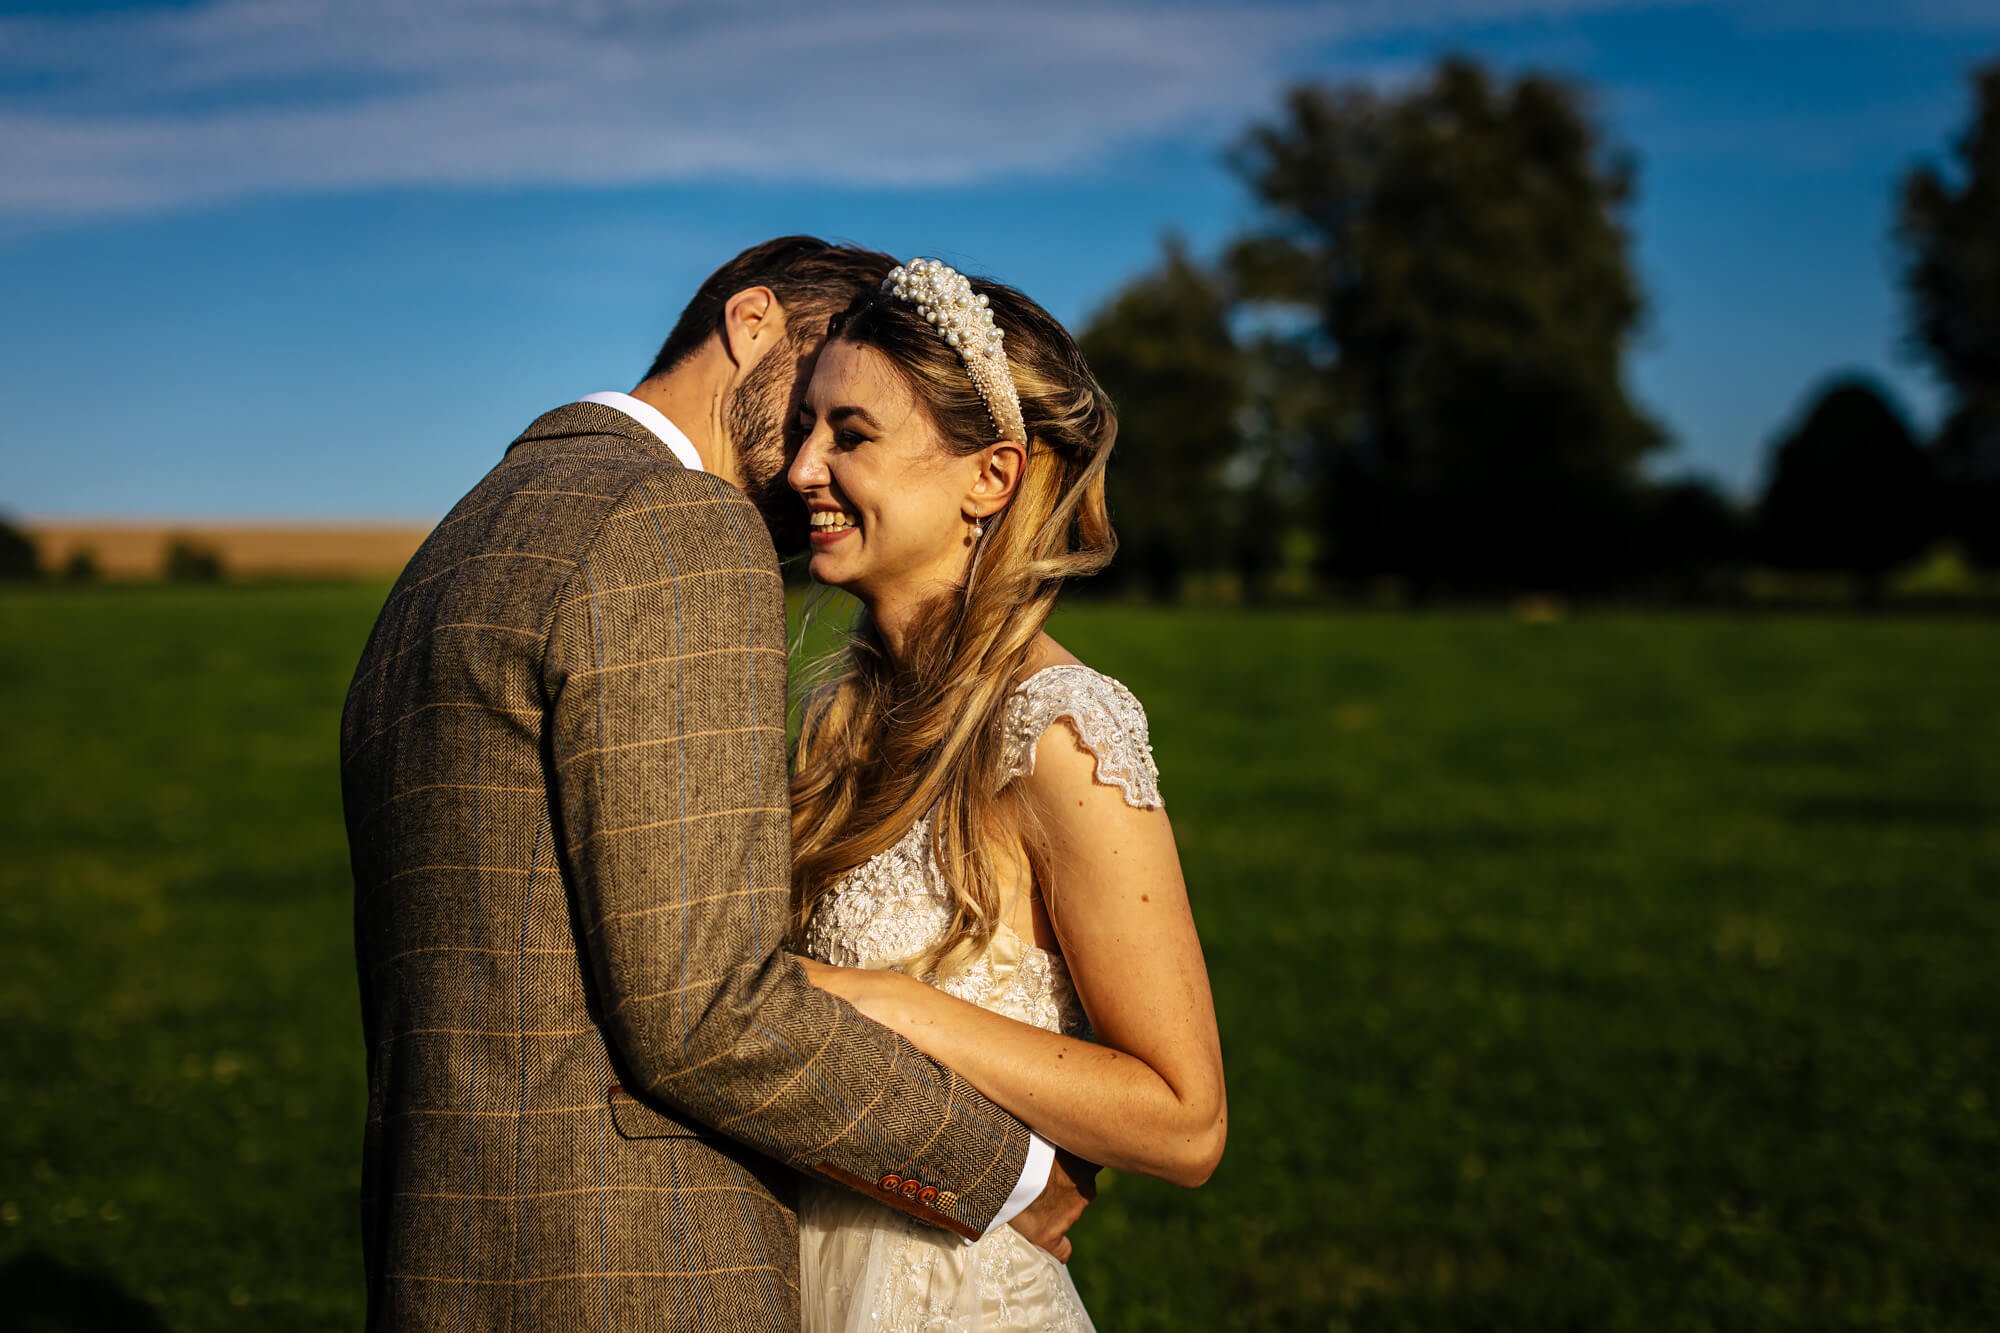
(1623, 973)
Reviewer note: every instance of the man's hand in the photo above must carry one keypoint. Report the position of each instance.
(1046, 1221)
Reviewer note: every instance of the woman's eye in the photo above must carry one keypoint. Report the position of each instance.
(847, 439)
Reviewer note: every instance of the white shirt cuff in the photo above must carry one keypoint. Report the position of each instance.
(1034, 1179)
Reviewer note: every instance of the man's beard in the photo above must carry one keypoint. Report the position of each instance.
(756, 416)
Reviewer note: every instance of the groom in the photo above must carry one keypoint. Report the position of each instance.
(592, 1067)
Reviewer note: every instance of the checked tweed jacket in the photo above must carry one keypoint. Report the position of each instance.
(592, 1069)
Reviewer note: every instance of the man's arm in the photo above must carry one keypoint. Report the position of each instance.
(665, 671)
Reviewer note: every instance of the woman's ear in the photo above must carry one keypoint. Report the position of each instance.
(752, 324)
(999, 476)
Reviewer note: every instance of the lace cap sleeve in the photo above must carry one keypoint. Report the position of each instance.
(1107, 718)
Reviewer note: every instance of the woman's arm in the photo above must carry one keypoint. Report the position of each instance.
(1148, 1097)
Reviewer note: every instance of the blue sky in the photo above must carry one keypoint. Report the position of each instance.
(324, 258)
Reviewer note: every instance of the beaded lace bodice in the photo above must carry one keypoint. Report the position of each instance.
(893, 907)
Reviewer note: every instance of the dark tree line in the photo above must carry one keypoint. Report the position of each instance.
(1413, 365)
(183, 560)
(18, 557)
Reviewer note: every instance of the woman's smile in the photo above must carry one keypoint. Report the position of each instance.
(830, 525)
(884, 499)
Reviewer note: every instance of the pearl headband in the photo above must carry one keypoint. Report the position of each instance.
(943, 296)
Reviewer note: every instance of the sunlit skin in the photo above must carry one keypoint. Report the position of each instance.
(870, 452)
(1147, 1096)
(695, 394)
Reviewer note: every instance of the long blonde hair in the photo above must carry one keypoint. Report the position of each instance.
(884, 742)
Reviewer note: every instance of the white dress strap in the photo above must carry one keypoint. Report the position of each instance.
(1108, 719)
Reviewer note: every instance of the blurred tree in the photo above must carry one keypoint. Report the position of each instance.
(1164, 351)
(1693, 538)
(1966, 459)
(1849, 489)
(81, 567)
(18, 559)
(189, 562)
(1277, 424)
(1950, 236)
(1463, 250)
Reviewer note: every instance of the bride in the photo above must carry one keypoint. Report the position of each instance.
(981, 859)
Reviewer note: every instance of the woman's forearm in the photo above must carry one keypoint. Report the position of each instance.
(1099, 1103)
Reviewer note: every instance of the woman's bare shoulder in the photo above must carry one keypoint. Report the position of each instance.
(1046, 653)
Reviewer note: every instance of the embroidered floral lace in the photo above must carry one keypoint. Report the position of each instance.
(864, 1266)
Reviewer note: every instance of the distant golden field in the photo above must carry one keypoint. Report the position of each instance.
(136, 549)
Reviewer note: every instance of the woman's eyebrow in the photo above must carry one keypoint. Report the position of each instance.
(840, 414)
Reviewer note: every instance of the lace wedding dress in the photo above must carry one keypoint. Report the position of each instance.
(864, 1266)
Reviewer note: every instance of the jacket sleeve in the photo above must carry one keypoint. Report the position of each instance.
(664, 671)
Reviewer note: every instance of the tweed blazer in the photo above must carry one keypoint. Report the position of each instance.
(592, 1067)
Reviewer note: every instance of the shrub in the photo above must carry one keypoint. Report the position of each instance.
(81, 567)
(189, 562)
(18, 558)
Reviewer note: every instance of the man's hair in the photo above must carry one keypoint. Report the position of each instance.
(812, 279)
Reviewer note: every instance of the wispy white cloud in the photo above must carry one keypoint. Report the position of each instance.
(138, 113)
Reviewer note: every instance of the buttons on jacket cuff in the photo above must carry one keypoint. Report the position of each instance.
(916, 1191)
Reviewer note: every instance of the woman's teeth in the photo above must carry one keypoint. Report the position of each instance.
(824, 520)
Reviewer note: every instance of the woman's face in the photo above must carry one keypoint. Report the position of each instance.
(885, 499)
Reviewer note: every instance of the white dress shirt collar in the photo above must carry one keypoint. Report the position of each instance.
(653, 420)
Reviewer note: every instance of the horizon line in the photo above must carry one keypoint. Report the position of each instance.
(224, 521)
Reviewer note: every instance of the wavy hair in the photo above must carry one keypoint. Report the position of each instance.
(884, 742)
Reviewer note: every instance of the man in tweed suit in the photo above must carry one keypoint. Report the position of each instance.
(592, 1068)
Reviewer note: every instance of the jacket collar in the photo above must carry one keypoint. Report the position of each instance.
(592, 420)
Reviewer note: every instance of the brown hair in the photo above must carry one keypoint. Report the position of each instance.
(884, 742)
(812, 279)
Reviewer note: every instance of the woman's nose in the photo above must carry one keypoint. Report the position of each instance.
(809, 467)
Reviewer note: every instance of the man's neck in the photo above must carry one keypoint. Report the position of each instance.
(694, 402)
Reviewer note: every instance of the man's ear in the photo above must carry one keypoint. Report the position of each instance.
(999, 476)
(752, 324)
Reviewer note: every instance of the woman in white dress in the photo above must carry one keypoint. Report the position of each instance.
(982, 860)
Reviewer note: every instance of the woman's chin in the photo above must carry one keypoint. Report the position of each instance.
(824, 568)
